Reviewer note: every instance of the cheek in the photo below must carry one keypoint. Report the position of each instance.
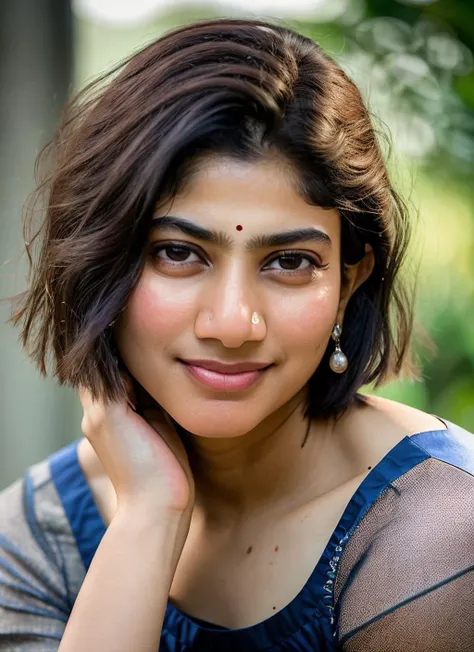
(154, 312)
(308, 322)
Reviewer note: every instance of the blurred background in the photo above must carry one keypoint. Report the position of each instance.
(412, 60)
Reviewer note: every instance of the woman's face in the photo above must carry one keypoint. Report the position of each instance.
(228, 252)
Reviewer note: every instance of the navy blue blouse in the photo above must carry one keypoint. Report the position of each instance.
(396, 574)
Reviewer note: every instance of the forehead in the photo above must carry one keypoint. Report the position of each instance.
(223, 193)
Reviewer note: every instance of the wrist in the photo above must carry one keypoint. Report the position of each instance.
(148, 531)
(147, 503)
(147, 517)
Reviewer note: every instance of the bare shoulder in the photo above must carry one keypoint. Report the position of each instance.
(408, 419)
(368, 432)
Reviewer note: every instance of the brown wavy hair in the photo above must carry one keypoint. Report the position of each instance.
(241, 88)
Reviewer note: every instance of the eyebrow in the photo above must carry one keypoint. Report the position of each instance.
(222, 239)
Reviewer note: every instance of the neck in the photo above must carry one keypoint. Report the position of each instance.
(271, 467)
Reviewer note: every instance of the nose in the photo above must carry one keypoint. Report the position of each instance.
(227, 311)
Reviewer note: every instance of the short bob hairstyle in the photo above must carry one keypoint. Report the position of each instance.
(246, 89)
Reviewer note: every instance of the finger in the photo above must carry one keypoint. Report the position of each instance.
(97, 412)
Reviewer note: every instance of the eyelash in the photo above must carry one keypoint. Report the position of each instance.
(281, 254)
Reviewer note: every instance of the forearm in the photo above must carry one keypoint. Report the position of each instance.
(122, 602)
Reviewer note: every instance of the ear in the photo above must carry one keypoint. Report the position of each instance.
(354, 276)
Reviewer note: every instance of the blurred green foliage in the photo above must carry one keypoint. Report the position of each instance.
(440, 34)
(419, 58)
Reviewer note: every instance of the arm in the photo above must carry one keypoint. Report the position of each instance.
(123, 599)
(122, 602)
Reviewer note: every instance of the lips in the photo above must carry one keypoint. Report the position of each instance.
(225, 377)
(227, 367)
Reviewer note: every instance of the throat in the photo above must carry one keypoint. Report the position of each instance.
(246, 476)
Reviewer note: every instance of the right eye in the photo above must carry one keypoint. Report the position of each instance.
(175, 255)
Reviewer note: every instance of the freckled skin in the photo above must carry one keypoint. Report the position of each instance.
(204, 311)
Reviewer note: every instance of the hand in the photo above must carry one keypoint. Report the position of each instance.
(141, 453)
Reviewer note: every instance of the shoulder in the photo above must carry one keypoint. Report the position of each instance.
(453, 446)
(424, 515)
(377, 425)
(25, 506)
(409, 563)
(40, 569)
(383, 423)
(35, 537)
(437, 488)
(440, 489)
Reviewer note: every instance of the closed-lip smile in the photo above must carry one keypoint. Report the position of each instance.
(225, 377)
(227, 367)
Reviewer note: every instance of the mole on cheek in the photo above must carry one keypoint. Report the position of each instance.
(239, 227)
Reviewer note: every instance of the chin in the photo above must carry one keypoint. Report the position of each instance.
(213, 426)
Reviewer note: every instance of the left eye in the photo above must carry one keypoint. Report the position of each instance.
(293, 263)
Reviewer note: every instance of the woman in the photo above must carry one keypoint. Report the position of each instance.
(218, 276)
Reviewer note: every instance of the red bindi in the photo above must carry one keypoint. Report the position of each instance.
(239, 227)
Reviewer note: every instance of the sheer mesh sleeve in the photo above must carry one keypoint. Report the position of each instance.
(406, 579)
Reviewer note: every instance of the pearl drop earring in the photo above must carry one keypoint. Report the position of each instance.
(338, 360)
